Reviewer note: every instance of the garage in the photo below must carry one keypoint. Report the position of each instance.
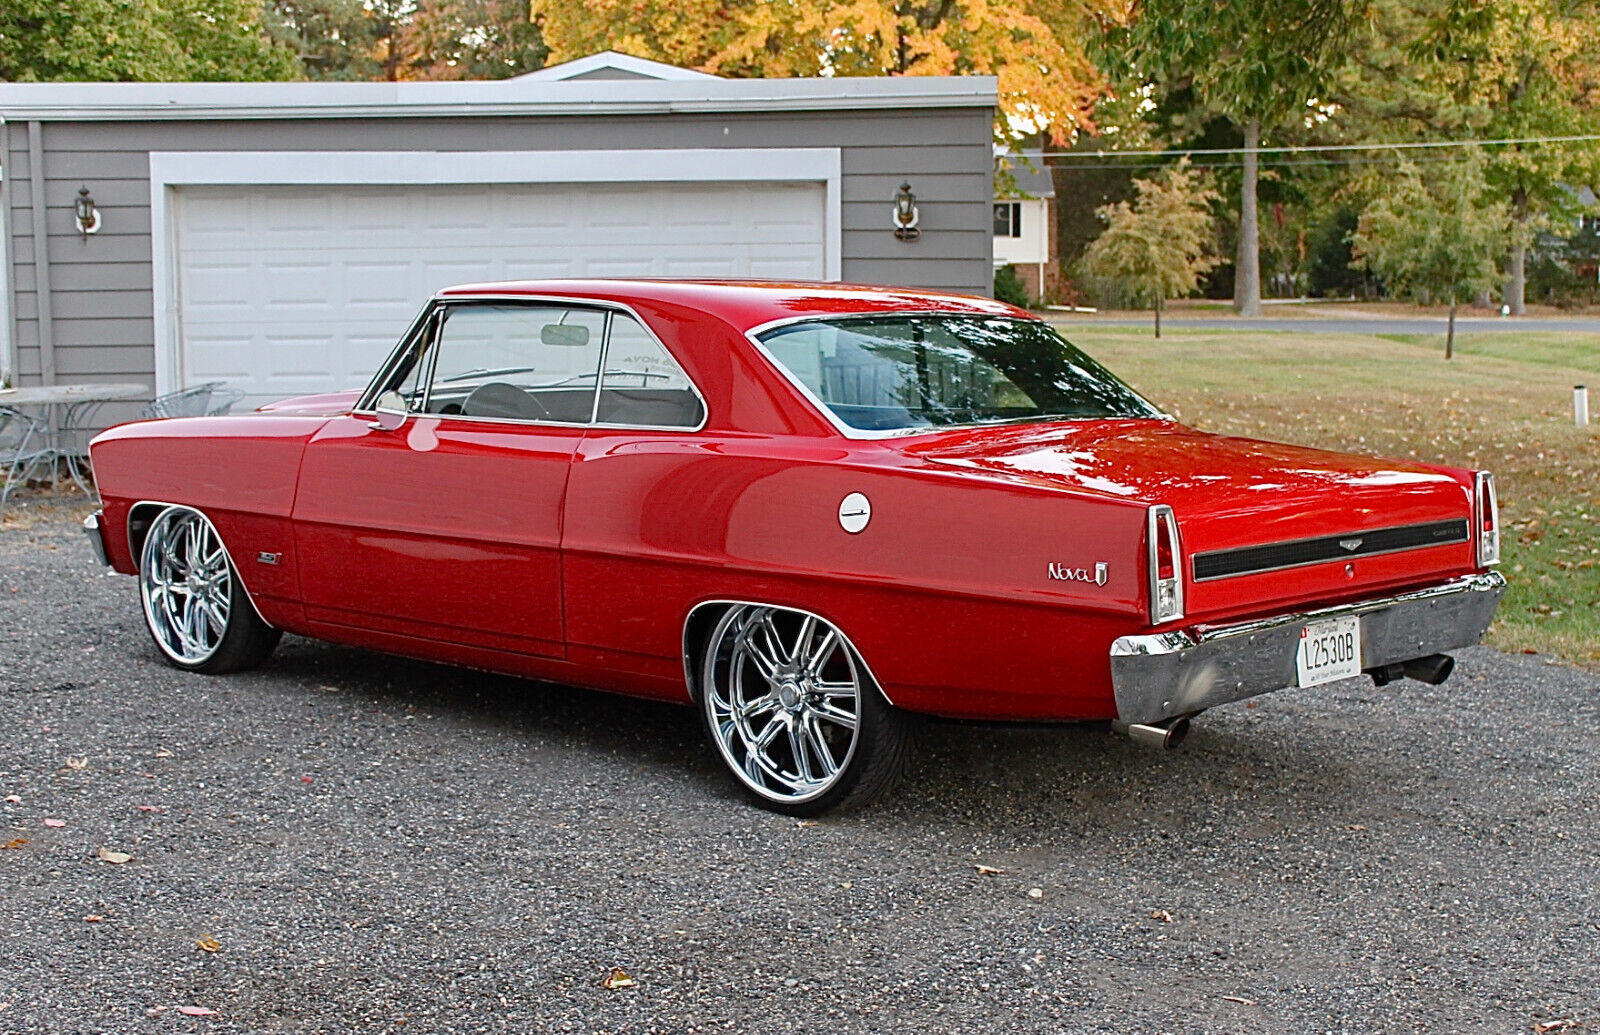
(279, 237)
(290, 290)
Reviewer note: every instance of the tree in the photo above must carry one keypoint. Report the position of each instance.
(1256, 61)
(333, 39)
(1437, 237)
(1156, 247)
(1046, 79)
(474, 39)
(136, 41)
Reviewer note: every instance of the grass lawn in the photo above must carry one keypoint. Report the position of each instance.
(1504, 403)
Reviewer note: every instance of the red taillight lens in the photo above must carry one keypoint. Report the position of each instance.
(1486, 519)
(1165, 564)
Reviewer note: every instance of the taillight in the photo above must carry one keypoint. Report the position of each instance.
(1486, 519)
(1165, 565)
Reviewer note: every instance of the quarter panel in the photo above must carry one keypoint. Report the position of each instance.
(946, 591)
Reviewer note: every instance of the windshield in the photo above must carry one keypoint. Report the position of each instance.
(889, 373)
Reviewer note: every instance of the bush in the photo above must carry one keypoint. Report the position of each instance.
(1008, 287)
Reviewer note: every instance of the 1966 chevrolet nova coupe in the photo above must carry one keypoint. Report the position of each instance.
(810, 510)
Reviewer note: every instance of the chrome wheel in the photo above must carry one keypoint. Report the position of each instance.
(186, 584)
(782, 693)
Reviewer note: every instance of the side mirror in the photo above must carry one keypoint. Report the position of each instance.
(391, 411)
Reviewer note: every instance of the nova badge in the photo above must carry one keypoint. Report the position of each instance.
(1062, 573)
(1351, 545)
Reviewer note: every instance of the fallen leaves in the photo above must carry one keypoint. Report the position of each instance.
(13, 799)
(1036, 893)
(15, 842)
(1241, 1000)
(206, 943)
(987, 871)
(55, 824)
(1162, 915)
(150, 808)
(618, 978)
(114, 857)
(78, 764)
(1565, 1024)
(93, 918)
(163, 753)
(197, 1011)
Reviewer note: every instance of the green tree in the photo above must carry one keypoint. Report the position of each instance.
(1258, 62)
(475, 39)
(333, 39)
(1437, 237)
(1156, 247)
(136, 41)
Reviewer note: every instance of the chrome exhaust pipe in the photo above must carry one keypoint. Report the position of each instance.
(1165, 735)
(1435, 668)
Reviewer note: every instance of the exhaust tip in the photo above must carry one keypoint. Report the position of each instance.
(1435, 668)
(1164, 735)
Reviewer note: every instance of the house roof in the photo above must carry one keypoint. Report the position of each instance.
(1031, 179)
(609, 64)
(602, 84)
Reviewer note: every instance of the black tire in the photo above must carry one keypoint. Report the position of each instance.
(794, 714)
(195, 606)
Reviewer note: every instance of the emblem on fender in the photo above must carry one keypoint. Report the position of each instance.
(1062, 573)
(1351, 545)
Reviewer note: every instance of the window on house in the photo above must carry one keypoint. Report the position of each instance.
(1008, 219)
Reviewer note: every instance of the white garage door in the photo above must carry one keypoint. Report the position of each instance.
(291, 290)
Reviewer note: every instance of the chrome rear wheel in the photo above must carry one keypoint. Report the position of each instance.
(793, 711)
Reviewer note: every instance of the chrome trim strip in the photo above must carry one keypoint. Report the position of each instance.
(1155, 676)
(97, 542)
(689, 662)
(226, 552)
(365, 404)
(867, 435)
(1321, 560)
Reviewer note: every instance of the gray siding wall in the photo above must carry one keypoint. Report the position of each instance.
(101, 291)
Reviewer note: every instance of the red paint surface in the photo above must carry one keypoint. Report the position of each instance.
(577, 554)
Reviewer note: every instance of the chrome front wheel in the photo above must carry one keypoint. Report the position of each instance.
(794, 713)
(194, 606)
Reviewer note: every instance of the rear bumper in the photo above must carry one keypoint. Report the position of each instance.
(97, 542)
(1161, 675)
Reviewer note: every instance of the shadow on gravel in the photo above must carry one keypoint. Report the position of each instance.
(1078, 776)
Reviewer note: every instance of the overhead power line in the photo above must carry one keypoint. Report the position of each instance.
(1179, 152)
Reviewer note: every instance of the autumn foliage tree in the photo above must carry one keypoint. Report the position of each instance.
(1436, 236)
(1046, 80)
(1157, 247)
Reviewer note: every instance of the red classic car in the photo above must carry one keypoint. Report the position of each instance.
(810, 510)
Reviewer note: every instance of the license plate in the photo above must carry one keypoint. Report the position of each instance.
(1329, 650)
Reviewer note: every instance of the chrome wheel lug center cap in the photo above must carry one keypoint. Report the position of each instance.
(789, 694)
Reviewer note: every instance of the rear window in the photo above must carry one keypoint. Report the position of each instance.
(894, 373)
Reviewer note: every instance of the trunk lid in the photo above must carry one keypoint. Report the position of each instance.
(1272, 524)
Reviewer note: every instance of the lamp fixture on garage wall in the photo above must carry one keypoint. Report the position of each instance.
(905, 214)
(87, 215)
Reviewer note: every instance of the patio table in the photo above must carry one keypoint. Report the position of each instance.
(57, 428)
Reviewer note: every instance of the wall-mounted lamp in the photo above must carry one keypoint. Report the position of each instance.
(87, 215)
(905, 214)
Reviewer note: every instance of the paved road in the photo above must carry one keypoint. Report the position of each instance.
(1340, 324)
(377, 844)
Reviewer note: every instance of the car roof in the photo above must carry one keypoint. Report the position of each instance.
(747, 304)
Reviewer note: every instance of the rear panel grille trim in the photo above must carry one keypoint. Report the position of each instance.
(1253, 560)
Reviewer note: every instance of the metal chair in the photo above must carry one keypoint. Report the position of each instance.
(18, 451)
(212, 399)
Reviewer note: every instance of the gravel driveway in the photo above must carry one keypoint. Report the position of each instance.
(376, 844)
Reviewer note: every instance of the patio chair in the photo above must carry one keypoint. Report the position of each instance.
(212, 399)
(22, 448)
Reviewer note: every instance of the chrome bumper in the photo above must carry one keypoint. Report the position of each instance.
(97, 543)
(1160, 675)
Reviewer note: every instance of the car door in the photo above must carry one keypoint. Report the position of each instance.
(448, 528)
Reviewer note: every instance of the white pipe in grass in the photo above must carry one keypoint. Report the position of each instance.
(1580, 405)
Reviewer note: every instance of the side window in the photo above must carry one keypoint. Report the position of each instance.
(643, 385)
(516, 362)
